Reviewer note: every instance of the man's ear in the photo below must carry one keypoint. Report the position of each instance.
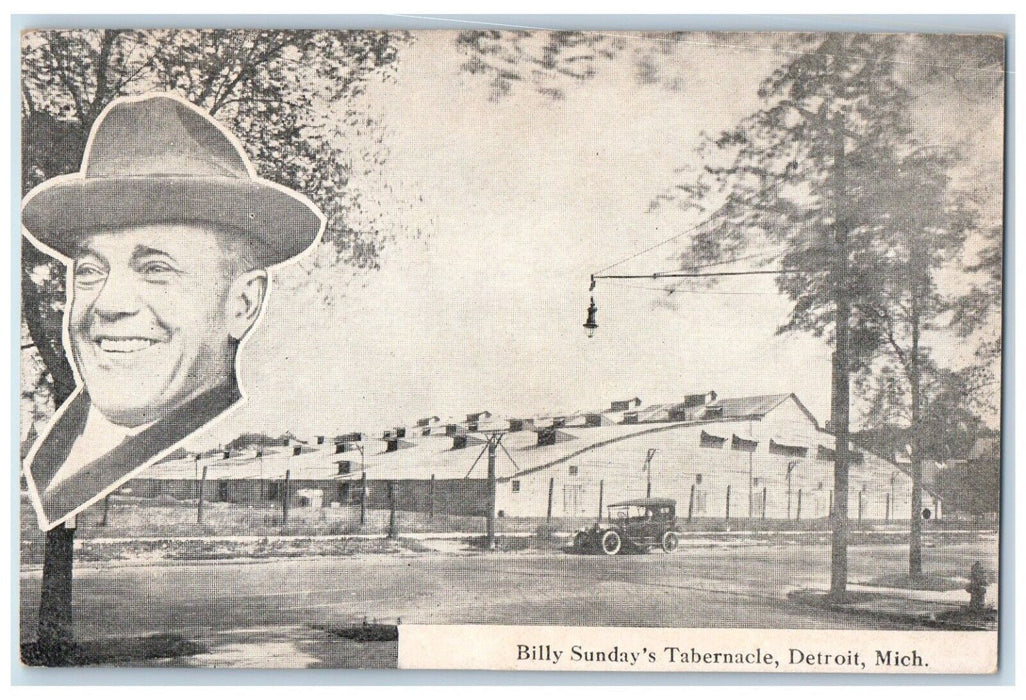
(245, 299)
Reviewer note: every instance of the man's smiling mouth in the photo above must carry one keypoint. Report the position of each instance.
(124, 345)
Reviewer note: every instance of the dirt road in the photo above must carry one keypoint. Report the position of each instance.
(711, 586)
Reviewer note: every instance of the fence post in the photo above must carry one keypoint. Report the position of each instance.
(728, 502)
(285, 500)
(106, 509)
(363, 498)
(691, 503)
(763, 502)
(202, 487)
(431, 491)
(860, 508)
(888, 511)
(798, 511)
(552, 485)
(601, 493)
(830, 503)
(393, 521)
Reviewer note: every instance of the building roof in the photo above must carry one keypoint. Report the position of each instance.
(518, 454)
(746, 406)
(644, 502)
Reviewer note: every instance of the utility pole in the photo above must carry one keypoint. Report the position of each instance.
(493, 444)
(648, 470)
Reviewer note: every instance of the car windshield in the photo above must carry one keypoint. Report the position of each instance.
(640, 513)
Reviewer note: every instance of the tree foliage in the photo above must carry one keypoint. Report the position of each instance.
(834, 170)
(548, 61)
(950, 421)
(774, 181)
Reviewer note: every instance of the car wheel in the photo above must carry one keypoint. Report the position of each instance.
(670, 541)
(611, 543)
(581, 542)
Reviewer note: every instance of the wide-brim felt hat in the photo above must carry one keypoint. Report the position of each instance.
(158, 159)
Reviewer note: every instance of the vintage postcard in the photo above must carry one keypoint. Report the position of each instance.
(514, 350)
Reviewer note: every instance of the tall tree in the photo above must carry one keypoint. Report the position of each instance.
(969, 71)
(802, 174)
(923, 232)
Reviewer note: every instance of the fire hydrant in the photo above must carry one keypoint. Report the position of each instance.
(977, 588)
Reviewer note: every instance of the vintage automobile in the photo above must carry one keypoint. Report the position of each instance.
(632, 526)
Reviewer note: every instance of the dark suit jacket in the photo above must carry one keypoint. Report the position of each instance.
(103, 475)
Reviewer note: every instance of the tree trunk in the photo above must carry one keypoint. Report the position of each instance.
(839, 405)
(54, 637)
(915, 539)
(48, 347)
(55, 642)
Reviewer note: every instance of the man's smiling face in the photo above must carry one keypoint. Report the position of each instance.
(149, 319)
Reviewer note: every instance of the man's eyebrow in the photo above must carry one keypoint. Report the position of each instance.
(143, 251)
(82, 249)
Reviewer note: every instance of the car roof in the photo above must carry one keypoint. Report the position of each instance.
(645, 502)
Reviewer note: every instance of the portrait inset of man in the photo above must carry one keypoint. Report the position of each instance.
(168, 235)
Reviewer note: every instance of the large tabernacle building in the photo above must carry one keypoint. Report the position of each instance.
(762, 457)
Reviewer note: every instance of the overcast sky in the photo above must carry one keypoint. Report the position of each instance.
(518, 201)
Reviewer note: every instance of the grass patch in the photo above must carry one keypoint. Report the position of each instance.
(964, 616)
(925, 582)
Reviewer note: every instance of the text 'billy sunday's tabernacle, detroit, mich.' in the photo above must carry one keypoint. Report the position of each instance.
(791, 658)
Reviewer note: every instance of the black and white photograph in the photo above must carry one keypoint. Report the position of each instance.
(511, 349)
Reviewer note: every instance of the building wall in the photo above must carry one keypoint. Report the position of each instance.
(448, 496)
(705, 480)
(443, 496)
(699, 478)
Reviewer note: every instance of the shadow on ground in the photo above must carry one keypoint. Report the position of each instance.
(111, 652)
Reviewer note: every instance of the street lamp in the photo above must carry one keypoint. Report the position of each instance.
(591, 324)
